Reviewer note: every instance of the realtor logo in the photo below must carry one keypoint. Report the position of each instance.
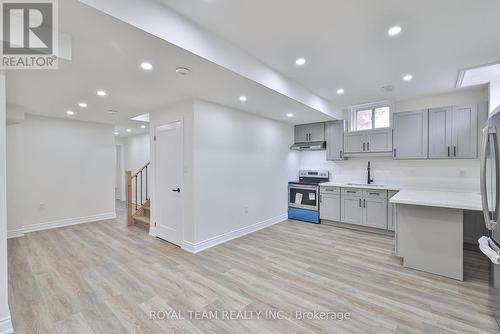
(29, 34)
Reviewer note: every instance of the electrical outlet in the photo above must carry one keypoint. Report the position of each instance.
(246, 209)
(41, 207)
(462, 173)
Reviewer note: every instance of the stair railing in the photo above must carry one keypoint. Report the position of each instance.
(136, 191)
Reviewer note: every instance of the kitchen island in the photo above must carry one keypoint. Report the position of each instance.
(429, 229)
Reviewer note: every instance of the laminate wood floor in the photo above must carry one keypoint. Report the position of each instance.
(106, 278)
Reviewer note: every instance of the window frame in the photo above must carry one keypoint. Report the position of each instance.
(372, 107)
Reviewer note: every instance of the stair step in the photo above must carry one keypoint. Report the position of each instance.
(141, 220)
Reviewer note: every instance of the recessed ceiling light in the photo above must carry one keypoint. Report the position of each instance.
(82, 105)
(408, 77)
(289, 115)
(182, 70)
(146, 66)
(116, 133)
(340, 91)
(70, 112)
(393, 31)
(129, 130)
(143, 126)
(101, 93)
(300, 61)
(243, 98)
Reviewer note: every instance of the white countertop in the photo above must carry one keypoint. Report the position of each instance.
(361, 186)
(442, 199)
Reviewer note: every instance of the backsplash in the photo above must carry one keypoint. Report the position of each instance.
(429, 174)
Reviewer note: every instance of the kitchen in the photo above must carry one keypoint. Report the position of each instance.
(416, 180)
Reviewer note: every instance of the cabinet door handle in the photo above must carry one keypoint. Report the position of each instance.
(364, 203)
(340, 154)
(350, 191)
(394, 153)
(448, 151)
(454, 151)
(368, 146)
(364, 147)
(378, 194)
(360, 202)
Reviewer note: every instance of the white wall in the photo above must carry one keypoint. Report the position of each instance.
(437, 174)
(494, 94)
(137, 151)
(59, 172)
(5, 323)
(242, 165)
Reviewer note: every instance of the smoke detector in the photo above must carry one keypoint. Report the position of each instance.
(182, 70)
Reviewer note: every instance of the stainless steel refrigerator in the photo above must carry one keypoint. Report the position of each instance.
(490, 186)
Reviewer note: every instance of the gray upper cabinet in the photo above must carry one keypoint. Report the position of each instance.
(334, 133)
(310, 133)
(355, 142)
(379, 140)
(440, 133)
(464, 132)
(411, 134)
(453, 132)
(368, 141)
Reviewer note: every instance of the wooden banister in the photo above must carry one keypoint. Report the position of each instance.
(136, 178)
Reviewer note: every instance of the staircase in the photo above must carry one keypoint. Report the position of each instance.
(138, 201)
(142, 216)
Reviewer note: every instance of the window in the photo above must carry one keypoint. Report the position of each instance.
(372, 118)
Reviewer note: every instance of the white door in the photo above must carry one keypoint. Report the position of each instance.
(169, 165)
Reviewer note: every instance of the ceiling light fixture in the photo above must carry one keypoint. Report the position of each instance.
(408, 77)
(143, 126)
(101, 93)
(146, 66)
(129, 130)
(394, 31)
(182, 70)
(300, 61)
(340, 91)
(70, 112)
(116, 133)
(243, 98)
(289, 115)
(82, 105)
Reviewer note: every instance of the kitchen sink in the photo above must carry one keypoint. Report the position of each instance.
(366, 185)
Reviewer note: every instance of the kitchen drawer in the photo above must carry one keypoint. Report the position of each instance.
(375, 193)
(352, 192)
(325, 190)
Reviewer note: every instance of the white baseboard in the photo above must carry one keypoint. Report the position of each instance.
(206, 244)
(6, 326)
(59, 223)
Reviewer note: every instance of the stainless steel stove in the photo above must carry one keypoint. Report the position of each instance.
(303, 195)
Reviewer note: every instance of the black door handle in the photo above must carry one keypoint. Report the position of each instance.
(178, 190)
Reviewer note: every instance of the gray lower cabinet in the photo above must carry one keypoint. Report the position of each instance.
(391, 212)
(352, 209)
(329, 203)
(364, 207)
(411, 134)
(334, 135)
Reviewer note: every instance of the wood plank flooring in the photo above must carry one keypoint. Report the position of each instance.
(106, 278)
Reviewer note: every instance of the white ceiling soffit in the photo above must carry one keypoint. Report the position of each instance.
(478, 75)
(164, 23)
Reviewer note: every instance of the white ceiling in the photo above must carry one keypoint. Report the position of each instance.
(107, 54)
(346, 43)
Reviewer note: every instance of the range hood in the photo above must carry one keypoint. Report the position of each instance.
(310, 146)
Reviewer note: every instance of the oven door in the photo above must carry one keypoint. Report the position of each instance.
(303, 197)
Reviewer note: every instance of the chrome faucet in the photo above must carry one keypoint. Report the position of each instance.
(370, 179)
